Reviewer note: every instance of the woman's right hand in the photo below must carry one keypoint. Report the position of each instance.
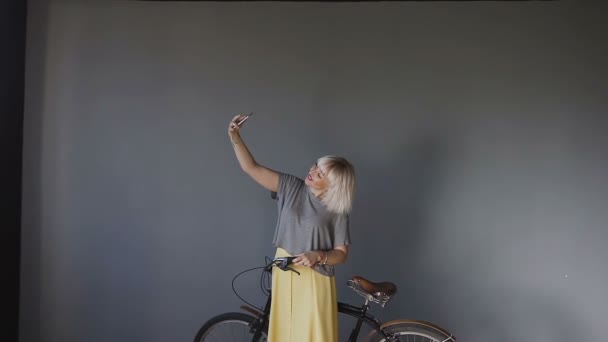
(233, 127)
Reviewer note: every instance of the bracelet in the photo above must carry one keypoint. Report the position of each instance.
(326, 256)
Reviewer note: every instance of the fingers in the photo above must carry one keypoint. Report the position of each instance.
(234, 126)
(238, 118)
(304, 260)
(299, 260)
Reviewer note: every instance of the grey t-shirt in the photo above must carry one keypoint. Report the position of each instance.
(304, 224)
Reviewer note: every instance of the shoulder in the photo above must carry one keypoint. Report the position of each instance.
(289, 185)
(290, 180)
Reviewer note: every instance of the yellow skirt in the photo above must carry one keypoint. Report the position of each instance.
(304, 307)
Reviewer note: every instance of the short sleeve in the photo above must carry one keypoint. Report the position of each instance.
(341, 231)
(288, 187)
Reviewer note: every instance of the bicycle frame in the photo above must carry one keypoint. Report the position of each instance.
(259, 320)
(362, 317)
(260, 325)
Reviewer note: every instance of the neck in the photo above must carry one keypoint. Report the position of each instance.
(318, 193)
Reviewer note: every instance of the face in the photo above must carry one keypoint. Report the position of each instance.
(316, 179)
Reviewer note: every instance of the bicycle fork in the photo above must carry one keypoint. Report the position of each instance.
(259, 325)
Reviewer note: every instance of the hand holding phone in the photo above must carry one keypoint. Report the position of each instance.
(236, 122)
(244, 119)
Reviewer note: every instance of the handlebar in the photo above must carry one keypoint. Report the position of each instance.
(283, 263)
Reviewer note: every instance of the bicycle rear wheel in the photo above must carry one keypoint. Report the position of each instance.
(413, 331)
(228, 327)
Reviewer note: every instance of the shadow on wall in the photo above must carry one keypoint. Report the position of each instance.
(389, 222)
(391, 228)
(31, 297)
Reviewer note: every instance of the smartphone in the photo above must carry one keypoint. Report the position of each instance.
(244, 119)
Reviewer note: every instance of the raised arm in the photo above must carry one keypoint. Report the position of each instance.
(264, 176)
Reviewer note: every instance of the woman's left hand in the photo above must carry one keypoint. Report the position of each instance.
(309, 259)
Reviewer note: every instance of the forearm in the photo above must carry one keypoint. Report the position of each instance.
(242, 153)
(332, 257)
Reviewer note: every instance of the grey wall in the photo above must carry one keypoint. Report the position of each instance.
(12, 71)
(477, 131)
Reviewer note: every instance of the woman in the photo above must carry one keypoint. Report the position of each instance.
(313, 226)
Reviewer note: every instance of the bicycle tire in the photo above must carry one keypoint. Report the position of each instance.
(413, 330)
(228, 327)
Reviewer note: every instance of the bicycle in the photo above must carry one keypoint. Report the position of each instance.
(237, 326)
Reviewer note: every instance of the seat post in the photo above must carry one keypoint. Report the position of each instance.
(355, 332)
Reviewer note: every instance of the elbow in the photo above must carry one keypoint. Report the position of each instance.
(249, 168)
(344, 256)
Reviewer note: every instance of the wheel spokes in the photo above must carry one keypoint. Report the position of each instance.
(230, 331)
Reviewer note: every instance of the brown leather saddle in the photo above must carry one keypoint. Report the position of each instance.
(377, 290)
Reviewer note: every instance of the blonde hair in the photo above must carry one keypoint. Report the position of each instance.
(340, 175)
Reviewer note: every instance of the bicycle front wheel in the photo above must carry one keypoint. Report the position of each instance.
(229, 327)
(413, 331)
